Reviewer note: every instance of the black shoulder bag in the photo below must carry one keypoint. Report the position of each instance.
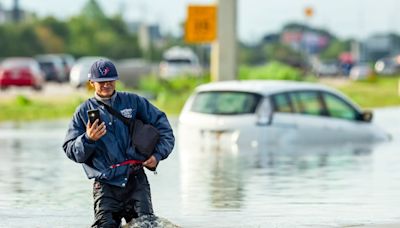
(144, 136)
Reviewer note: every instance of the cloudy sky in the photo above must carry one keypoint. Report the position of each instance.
(345, 18)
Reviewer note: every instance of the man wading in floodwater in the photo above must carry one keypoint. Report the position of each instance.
(120, 188)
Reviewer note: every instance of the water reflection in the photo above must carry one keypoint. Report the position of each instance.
(226, 182)
(34, 174)
(227, 171)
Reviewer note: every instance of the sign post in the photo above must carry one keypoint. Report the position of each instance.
(216, 25)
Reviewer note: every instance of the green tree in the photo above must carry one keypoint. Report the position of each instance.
(335, 48)
(50, 42)
(92, 33)
(58, 28)
(284, 53)
(251, 55)
(304, 28)
(19, 40)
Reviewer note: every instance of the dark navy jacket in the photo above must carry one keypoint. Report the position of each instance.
(114, 147)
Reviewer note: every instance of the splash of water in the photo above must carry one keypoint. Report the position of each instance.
(150, 221)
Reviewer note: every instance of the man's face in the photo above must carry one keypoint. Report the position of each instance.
(104, 89)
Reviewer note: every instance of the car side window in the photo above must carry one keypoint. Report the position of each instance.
(281, 103)
(307, 102)
(338, 108)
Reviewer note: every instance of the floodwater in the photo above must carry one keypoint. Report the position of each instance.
(339, 186)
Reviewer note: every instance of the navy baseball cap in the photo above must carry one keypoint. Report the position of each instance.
(103, 70)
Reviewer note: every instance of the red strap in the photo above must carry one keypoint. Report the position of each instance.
(127, 162)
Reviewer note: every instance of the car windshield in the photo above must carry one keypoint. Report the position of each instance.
(225, 102)
(46, 65)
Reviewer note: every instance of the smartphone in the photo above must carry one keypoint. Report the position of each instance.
(93, 115)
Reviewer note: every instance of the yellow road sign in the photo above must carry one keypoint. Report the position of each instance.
(201, 24)
(309, 11)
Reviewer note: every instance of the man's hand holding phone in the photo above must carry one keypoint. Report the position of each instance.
(94, 129)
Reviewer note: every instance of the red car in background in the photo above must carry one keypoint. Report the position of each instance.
(21, 71)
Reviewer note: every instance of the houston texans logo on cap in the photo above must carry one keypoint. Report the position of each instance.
(104, 71)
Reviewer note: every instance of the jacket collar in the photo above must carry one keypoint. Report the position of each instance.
(108, 100)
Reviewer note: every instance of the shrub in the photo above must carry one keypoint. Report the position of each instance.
(22, 100)
(171, 94)
(272, 70)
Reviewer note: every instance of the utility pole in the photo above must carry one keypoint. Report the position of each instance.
(224, 49)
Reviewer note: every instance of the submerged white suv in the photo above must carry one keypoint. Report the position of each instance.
(274, 113)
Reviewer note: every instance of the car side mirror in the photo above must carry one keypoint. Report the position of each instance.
(366, 116)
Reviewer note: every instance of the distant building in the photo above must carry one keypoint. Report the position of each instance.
(149, 35)
(380, 46)
(308, 41)
(14, 15)
(292, 38)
